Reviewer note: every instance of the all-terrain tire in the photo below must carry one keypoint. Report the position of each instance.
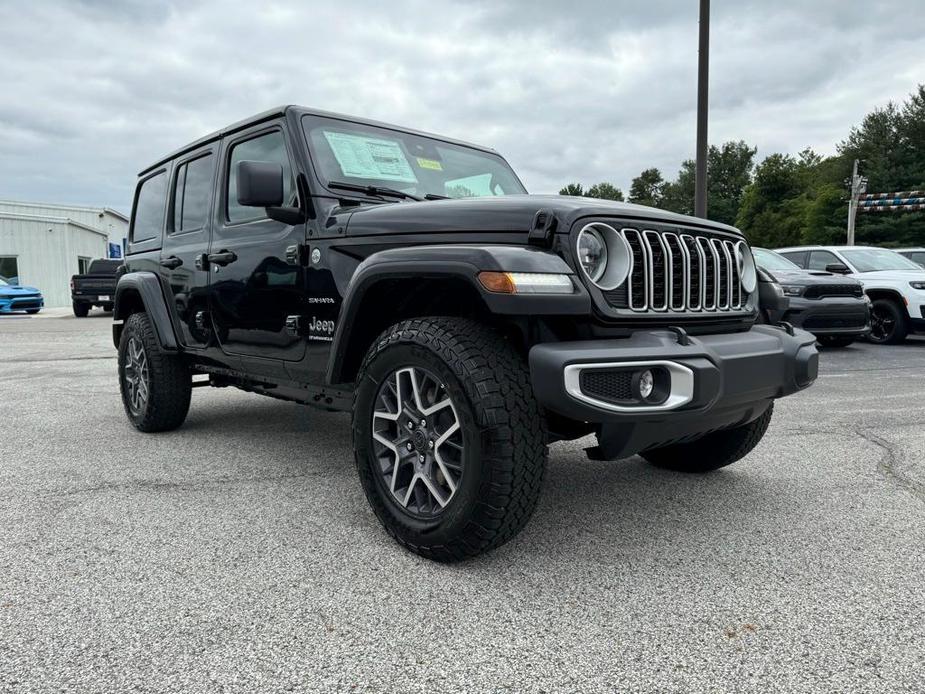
(502, 425)
(889, 325)
(713, 451)
(167, 379)
(81, 309)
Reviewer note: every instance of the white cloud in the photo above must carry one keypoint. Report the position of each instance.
(94, 91)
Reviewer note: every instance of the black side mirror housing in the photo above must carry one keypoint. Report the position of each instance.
(260, 183)
(837, 268)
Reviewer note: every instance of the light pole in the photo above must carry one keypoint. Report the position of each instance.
(703, 77)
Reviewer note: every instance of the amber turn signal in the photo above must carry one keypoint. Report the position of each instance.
(499, 282)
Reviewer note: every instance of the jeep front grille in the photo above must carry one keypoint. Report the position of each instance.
(679, 272)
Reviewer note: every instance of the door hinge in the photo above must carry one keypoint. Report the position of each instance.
(294, 325)
(297, 254)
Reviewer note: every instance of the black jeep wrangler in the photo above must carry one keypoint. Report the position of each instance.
(409, 279)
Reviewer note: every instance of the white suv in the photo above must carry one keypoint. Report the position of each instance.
(895, 285)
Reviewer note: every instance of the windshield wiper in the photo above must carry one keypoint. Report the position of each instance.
(434, 196)
(378, 191)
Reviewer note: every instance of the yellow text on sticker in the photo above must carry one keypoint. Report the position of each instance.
(430, 164)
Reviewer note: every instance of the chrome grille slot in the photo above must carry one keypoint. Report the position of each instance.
(659, 270)
(679, 272)
(637, 283)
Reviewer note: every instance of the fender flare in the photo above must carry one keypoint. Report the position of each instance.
(147, 286)
(458, 262)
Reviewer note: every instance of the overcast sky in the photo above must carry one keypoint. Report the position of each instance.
(93, 91)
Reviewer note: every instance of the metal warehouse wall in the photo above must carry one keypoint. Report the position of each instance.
(97, 217)
(47, 252)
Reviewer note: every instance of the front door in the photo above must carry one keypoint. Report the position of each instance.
(256, 288)
(188, 231)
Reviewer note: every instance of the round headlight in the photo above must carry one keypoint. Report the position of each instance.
(592, 253)
(748, 275)
(604, 255)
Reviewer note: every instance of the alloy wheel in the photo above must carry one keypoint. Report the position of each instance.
(136, 375)
(417, 440)
(882, 324)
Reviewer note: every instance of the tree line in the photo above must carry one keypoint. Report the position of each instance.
(787, 199)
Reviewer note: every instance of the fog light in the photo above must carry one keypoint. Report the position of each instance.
(645, 384)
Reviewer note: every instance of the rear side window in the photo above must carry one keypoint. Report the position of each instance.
(191, 194)
(150, 204)
(268, 147)
(818, 260)
(916, 258)
(797, 257)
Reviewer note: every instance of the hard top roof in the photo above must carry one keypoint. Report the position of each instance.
(300, 110)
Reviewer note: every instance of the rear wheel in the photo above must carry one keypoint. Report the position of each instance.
(156, 385)
(450, 443)
(888, 324)
(32, 311)
(834, 341)
(81, 309)
(107, 307)
(713, 451)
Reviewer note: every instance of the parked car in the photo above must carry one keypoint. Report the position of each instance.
(832, 307)
(895, 285)
(95, 288)
(409, 279)
(916, 255)
(14, 297)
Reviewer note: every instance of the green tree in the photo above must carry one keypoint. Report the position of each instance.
(605, 191)
(648, 188)
(572, 189)
(729, 170)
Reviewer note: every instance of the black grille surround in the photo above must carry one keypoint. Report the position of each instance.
(687, 273)
(820, 291)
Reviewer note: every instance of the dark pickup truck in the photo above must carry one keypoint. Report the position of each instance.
(96, 288)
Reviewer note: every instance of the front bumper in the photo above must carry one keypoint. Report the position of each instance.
(733, 379)
(836, 316)
(12, 304)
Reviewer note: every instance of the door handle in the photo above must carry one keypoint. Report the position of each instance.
(223, 258)
(172, 262)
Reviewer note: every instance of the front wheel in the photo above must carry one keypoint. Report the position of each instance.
(713, 451)
(450, 443)
(887, 322)
(156, 386)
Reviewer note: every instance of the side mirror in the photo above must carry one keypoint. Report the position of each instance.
(837, 268)
(260, 183)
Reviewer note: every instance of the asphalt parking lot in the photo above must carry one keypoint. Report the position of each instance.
(239, 554)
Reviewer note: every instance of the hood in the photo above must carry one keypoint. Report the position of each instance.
(15, 289)
(810, 277)
(506, 213)
(891, 275)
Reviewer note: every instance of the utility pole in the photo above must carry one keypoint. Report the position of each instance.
(703, 77)
(858, 185)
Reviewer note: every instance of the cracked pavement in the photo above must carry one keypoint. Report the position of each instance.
(238, 553)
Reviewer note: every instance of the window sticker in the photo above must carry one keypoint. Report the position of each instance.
(361, 156)
(431, 164)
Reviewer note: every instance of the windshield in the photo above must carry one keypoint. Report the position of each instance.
(4, 283)
(874, 259)
(769, 260)
(365, 155)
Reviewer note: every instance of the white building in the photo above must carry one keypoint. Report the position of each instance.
(42, 245)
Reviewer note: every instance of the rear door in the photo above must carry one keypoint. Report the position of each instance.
(255, 286)
(189, 228)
